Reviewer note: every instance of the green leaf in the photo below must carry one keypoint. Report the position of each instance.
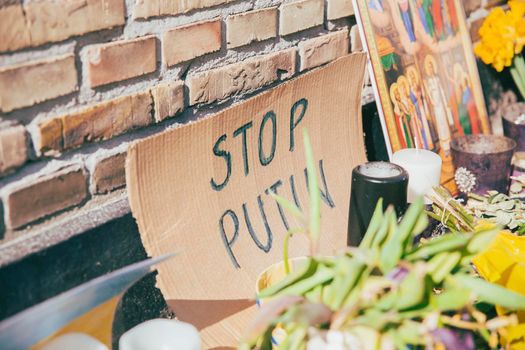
(451, 299)
(412, 290)
(392, 250)
(304, 272)
(289, 206)
(348, 272)
(411, 332)
(373, 226)
(385, 228)
(446, 266)
(491, 293)
(445, 243)
(480, 241)
(322, 275)
(313, 190)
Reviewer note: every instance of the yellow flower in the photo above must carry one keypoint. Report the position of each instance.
(502, 35)
(503, 263)
(517, 7)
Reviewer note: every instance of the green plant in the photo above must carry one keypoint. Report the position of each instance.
(386, 293)
(495, 207)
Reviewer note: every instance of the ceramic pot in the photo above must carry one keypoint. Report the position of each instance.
(482, 162)
(513, 119)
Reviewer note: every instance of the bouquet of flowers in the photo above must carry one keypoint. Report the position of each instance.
(502, 38)
(388, 293)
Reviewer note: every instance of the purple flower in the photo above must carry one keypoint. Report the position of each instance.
(454, 339)
(398, 274)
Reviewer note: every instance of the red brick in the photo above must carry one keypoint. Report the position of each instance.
(323, 49)
(251, 26)
(300, 15)
(43, 196)
(35, 82)
(98, 122)
(15, 33)
(52, 20)
(168, 99)
(338, 9)
(219, 83)
(186, 42)
(109, 173)
(152, 8)
(108, 63)
(13, 148)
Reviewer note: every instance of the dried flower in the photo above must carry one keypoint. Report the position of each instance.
(465, 180)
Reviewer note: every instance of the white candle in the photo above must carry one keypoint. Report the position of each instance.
(161, 334)
(423, 168)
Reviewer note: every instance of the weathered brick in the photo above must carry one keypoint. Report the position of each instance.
(251, 26)
(168, 99)
(339, 8)
(108, 174)
(152, 8)
(300, 15)
(99, 122)
(13, 148)
(13, 28)
(107, 63)
(355, 39)
(217, 84)
(186, 42)
(52, 20)
(323, 49)
(48, 136)
(44, 196)
(34, 82)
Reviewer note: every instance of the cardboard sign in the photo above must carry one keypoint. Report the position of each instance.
(203, 190)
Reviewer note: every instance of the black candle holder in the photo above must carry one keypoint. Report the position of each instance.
(371, 181)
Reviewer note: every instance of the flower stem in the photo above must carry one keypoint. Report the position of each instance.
(518, 73)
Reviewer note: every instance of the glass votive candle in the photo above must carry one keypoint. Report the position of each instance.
(483, 162)
(514, 124)
(371, 181)
(423, 168)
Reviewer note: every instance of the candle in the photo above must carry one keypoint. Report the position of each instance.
(370, 182)
(424, 171)
(77, 341)
(161, 334)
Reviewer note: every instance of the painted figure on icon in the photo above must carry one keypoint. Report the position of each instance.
(468, 105)
(438, 101)
(421, 109)
(406, 15)
(402, 118)
(425, 15)
(408, 105)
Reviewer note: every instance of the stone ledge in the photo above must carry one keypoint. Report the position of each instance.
(100, 210)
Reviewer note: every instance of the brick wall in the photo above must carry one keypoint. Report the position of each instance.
(81, 79)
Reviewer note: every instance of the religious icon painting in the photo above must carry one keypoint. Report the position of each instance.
(424, 74)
